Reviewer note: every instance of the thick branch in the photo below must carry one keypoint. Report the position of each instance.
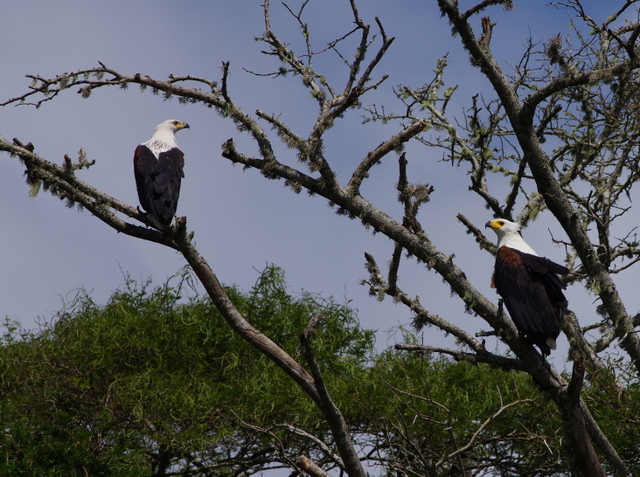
(310, 467)
(334, 417)
(583, 459)
(68, 187)
(240, 325)
(555, 198)
(475, 358)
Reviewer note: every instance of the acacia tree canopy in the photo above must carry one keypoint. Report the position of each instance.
(560, 125)
(154, 382)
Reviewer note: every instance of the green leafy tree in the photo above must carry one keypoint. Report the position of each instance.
(561, 125)
(152, 380)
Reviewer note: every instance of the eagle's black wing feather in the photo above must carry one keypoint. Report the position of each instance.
(532, 292)
(144, 167)
(158, 182)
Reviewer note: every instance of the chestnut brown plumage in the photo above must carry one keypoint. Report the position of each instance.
(529, 286)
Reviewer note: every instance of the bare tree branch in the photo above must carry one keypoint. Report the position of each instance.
(334, 417)
(482, 427)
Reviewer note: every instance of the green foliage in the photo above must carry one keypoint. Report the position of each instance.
(447, 418)
(156, 381)
(616, 406)
(151, 377)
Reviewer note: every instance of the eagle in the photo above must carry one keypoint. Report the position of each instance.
(529, 286)
(158, 168)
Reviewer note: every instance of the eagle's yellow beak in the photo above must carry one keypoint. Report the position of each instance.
(495, 224)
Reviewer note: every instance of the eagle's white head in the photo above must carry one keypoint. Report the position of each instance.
(164, 137)
(170, 125)
(509, 235)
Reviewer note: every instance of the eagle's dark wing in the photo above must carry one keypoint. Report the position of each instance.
(532, 292)
(158, 181)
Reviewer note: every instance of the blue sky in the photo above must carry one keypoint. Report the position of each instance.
(241, 221)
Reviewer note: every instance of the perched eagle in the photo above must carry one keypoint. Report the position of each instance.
(158, 165)
(529, 286)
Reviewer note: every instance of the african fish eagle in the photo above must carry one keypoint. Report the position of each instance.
(529, 286)
(158, 167)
